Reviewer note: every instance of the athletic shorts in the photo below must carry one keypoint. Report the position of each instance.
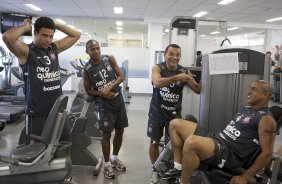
(112, 119)
(155, 129)
(223, 156)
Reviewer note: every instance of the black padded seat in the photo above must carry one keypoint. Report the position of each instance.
(29, 152)
(88, 98)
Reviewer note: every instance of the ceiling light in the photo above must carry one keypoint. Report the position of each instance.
(232, 28)
(119, 28)
(203, 35)
(33, 7)
(200, 14)
(166, 30)
(274, 19)
(118, 10)
(119, 32)
(225, 2)
(215, 32)
(60, 21)
(119, 23)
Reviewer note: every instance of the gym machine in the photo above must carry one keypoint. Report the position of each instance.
(214, 101)
(125, 87)
(45, 159)
(206, 174)
(80, 154)
(79, 103)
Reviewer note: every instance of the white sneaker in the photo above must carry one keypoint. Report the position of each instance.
(108, 172)
(155, 178)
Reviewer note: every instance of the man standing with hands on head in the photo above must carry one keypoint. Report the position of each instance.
(168, 79)
(40, 65)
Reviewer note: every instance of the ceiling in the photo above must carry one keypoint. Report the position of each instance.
(97, 16)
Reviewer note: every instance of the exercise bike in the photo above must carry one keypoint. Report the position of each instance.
(78, 125)
(45, 159)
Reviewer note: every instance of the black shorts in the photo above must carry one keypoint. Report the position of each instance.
(155, 129)
(112, 119)
(223, 157)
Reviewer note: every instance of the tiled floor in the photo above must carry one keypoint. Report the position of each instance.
(134, 151)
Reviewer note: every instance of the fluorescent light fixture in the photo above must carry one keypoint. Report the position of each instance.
(60, 21)
(225, 2)
(119, 32)
(33, 7)
(119, 23)
(200, 14)
(215, 32)
(203, 35)
(119, 28)
(71, 26)
(118, 10)
(232, 28)
(166, 30)
(274, 19)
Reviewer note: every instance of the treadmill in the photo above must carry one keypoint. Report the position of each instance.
(10, 111)
(11, 107)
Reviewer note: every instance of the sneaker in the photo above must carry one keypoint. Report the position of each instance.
(69, 180)
(155, 178)
(176, 181)
(118, 165)
(172, 173)
(108, 172)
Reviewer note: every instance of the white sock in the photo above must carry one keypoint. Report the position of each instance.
(114, 157)
(107, 163)
(177, 166)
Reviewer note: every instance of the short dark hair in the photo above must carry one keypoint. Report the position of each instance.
(172, 45)
(44, 22)
(199, 52)
(268, 52)
(89, 41)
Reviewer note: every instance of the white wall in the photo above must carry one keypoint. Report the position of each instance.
(140, 85)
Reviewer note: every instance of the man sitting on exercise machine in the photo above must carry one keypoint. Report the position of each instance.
(251, 130)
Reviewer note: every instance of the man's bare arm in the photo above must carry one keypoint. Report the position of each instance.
(11, 39)
(196, 87)
(87, 85)
(159, 81)
(71, 38)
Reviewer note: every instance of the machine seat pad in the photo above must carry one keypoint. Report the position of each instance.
(29, 152)
(227, 173)
(224, 173)
(88, 98)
